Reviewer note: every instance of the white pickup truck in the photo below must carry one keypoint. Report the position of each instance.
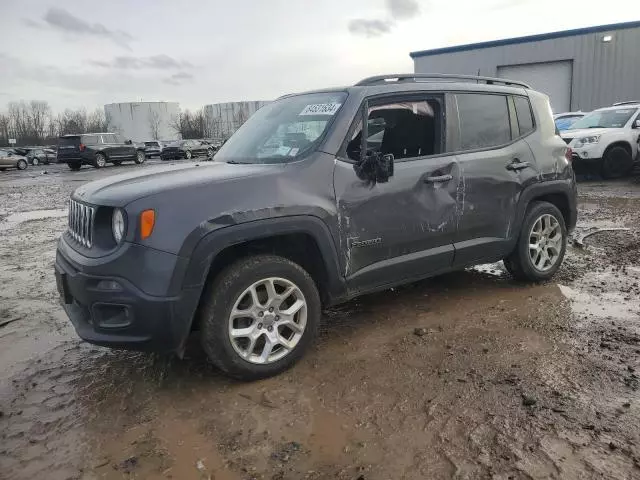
(607, 137)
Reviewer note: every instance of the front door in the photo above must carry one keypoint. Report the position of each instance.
(496, 162)
(402, 229)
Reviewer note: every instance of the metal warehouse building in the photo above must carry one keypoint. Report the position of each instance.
(141, 121)
(225, 118)
(579, 69)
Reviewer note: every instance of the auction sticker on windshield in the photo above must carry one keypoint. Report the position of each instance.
(321, 109)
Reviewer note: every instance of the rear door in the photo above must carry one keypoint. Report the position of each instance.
(402, 229)
(111, 146)
(5, 160)
(495, 162)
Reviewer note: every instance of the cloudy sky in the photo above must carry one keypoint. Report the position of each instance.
(76, 53)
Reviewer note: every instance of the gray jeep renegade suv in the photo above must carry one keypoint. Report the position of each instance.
(318, 198)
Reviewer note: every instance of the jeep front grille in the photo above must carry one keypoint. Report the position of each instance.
(81, 218)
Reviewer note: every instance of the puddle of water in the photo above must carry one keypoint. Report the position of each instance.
(20, 217)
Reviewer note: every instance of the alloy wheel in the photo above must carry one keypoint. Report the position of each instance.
(268, 320)
(545, 242)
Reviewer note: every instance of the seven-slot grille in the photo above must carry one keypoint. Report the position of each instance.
(81, 219)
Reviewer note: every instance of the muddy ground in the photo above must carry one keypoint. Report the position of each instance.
(466, 376)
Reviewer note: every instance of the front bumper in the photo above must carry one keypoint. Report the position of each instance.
(112, 311)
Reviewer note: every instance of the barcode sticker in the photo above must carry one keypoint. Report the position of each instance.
(321, 109)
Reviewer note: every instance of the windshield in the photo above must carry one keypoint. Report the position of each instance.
(284, 130)
(605, 119)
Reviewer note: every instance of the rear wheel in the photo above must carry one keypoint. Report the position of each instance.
(616, 162)
(187, 154)
(259, 316)
(140, 157)
(541, 246)
(210, 153)
(35, 162)
(21, 165)
(100, 160)
(75, 166)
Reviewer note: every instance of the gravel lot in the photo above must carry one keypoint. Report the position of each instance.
(465, 376)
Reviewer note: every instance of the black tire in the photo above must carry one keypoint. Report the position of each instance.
(187, 155)
(75, 166)
(117, 162)
(2, 169)
(140, 157)
(210, 153)
(100, 160)
(35, 162)
(220, 297)
(21, 165)
(616, 162)
(519, 263)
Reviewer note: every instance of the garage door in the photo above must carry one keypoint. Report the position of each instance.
(552, 78)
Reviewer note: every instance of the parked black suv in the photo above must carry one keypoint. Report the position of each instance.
(97, 149)
(317, 198)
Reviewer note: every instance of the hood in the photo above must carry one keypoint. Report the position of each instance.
(584, 132)
(119, 190)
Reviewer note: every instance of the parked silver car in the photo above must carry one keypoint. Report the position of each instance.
(10, 159)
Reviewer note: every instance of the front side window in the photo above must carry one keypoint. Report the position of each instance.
(524, 115)
(616, 118)
(404, 129)
(484, 120)
(284, 130)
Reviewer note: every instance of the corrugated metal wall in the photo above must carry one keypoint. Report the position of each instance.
(603, 73)
(225, 118)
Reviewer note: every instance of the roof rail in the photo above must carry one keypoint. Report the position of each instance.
(416, 77)
(629, 102)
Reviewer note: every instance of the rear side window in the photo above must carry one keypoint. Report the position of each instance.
(525, 117)
(484, 120)
(89, 139)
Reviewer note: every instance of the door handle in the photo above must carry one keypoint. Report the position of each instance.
(516, 165)
(438, 179)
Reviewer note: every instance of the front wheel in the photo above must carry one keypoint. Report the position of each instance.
(616, 163)
(259, 317)
(140, 157)
(35, 162)
(541, 245)
(187, 154)
(21, 165)
(75, 166)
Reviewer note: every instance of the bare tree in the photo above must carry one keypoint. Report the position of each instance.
(39, 113)
(4, 129)
(190, 124)
(97, 121)
(154, 124)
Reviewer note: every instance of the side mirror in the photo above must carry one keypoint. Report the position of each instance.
(636, 124)
(128, 142)
(375, 167)
(384, 168)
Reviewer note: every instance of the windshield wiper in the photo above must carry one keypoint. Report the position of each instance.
(597, 126)
(235, 162)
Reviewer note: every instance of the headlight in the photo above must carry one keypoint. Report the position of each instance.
(117, 224)
(587, 140)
